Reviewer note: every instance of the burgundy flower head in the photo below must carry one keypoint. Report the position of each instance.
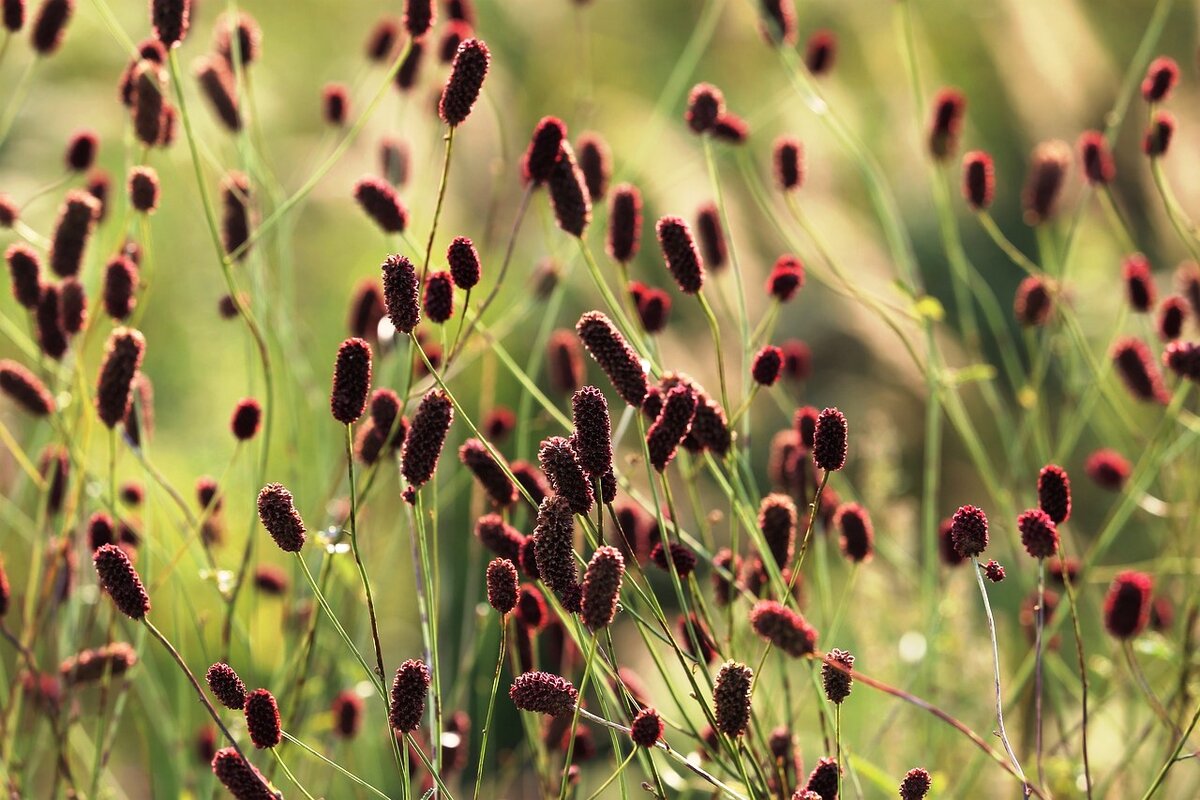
(347, 711)
(592, 440)
(787, 278)
(1161, 77)
(488, 471)
(235, 214)
(49, 25)
(1183, 358)
(614, 355)
(467, 72)
(1096, 157)
(820, 52)
(226, 686)
(1139, 284)
(979, 180)
(783, 627)
(713, 249)
(1137, 369)
(1108, 468)
(1033, 303)
(767, 365)
(705, 105)
(247, 415)
(595, 161)
(382, 39)
(682, 558)
(1054, 493)
(565, 474)
(502, 585)
(120, 286)
(538, 162)
(25, 389)
(993, 571)
(76, 219)
(122, 360)
(1127, 604)
(830, 440)
(915, 785)
(543, 693)
(379, 200)
(1043, 185)
(837, 682)
(439, 297)
(418, 17)
(789, 163)
(553, 543)
(777, 521)
(278, 514)
(673, 423)
(1172, 314)
(409, 689)
(949, 108)
(120, 581)
(239, 777)
(351, 381)
(1039, 534)
(401, 292)
(731, 698)
(646, 728)
(624, 223)
(602, 587)
(170, 19)
(335, 103)
(568, 193)
(81, 150)
(24, 268)
(1157, 139)
(857, 534)
(426, 436)
(779, 21)
(969, 531)
(464, 262)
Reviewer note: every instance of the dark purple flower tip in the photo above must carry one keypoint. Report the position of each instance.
(14, 15)
(170, 20)
(679, 251)
(674, 422)
(439, 297)
(783, 627)
(1139, 283)
(820, 52)
(502, 585)
(262, 719)
(787, 278)
(467, 72)
(143, 189)
(1108, 468)
(856, 532)
(120, 287)
(565, 474)
(382, 39)
(401, 293)
(72, 306)
(788, 160)
(1039, 534)
(993, 571)
(543, 693)
(969, 531)
(1096, 158)
(246, 418)
(1137, 369)
(381, 203)
(564, 361)
(426, 436)
(216, 80)
(240, 777)
(731, 698)
(464, 262)
(602, 587)
(979, 180)
(777, 521)
(591, 441)
(595, 161)
(347, 710)
(351, 381)
(624, 223)
(25, 389)
(705, 105)
(499, 423)
(238, 39)
(46, 33)
(823, 780)
(767, 365)
(1033, 303)
(568, 193)
(1161, 77)
(409, 688)
(837, 682)
(1159, 133)
(120, 581)
(410, 67)
(830, 440)
(1127, 604)
(489, 472)
(418, 17)
(532, 480)
(93, 664)
(226, 685)
(531, 608)
(553, 543)
(367, 309)
(1054, 493)
(72, 231)
(713, 250)
(235, 214)
(1183, 358)
(945, 127)
(453, 34)
(538, 162)
(646, 728)
(653, 306)
(51, 334)
(335, 104)
(1172, 314)
(24, 267)
(81, 150)
(915, 785)
(498, 536)
(1048, 167)
(616, 358)
(278, 514)
(122, 359)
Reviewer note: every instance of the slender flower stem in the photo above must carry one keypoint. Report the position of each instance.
(987, 607)
(437, 208)
(715, 329)
(427, 588)
(288, 772)
(1140, 679)
(362, 569)
(616, 774)
(1068, 582)
(487, 725)
(1038, 647)
(333, 764)
(587, 674)
(321, 601)
(1162, 773)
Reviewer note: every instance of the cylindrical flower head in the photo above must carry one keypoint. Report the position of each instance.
(1137, 369)
(1127, 604)
(381, 203)
(120, 287)
(52, 338)
(731, 698)
(857, 535)
(830, 436)
(498, 536)
(351, 381)
(653, 307)
(439, 297)
(14, 15)
(624, 223)
(466, 79)
(789, 163)
(409, 688)
(72, 306)
(568, 193)
(1157, 139)
(246, 417)
(394, 160)
(81, 151)
(993, 571)
(1039, 534)
(502, 585)
(476, 457)
(454, 33)
(1054, 493)
(235, 213)
(565, 474)
(540, 157)
(1033, 303)
(553, 538)
(673, 424)
(401, 293)
(122, 359)
(602, 587)
(786, 278)
(335, 103)
(679, 252)
(1183, 358)
(92, 665)
(226, 686)
(24, 268)
(239, 777)
(979, 180)
(705, 105)
(837, 682)
(278, 514)
(783, 627)
(262, 719)
(217, 86)
(713, 249)
(382, 39)
(531, 479)
(1161, 77)
(915, 785)
(149, 103)
(120, 581)
(646, 728)
(366, 310)
(1043, 184)
(592, 440)
(1096, 157)
(418, 17)
(820, 52)
(683, 560)
(464, 262)
(823, 780)
(969, 531)
(238, 39)
(564, 361)
(949, 108)
(426, 436)
(25, 389)
(1139, 283)
(543, 693)
(1108, 468)
(143, 190)
(347, 712)
(46, 33)
(614, 355)
(777, 521)
(170, 19)
(76, 219)
(410, 67)
(767, 365)
(1172, 314)
(595, 162)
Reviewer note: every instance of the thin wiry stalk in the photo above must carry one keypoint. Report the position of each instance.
(487, 725)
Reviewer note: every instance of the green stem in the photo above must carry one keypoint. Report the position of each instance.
(487, 725)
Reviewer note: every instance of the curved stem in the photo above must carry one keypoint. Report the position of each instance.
(487, 725)
(437, 208)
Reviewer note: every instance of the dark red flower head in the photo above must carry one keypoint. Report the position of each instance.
(653, 306)
(217, 84)
(705, 105)
(239, 777)
(238, 39)
(226, 685)
(543, 693)
(1161, 77)
(789, 163)
(235, 214)
(409, 688)
(1039, 534)
(247, 415)
(120, 286)
(568, 193)
(779, 21)
(614, 355)
(351, 381)
(783, 627)
(993, 571)
(1033, 303)
(24, 268)
(674, 422)
(1127, 605)
(379, 200)
(787, 278)
(1139, 283)
(1043, 184)
(382, 39)
(830, 440)
(1172, 314)
(731, 698)
(502, 585)
(595, 161)
(1054, 493)
(25, 389)
(488, 471)
(777, 521)
(542, 153)
(837, 682)
(81, 150)
(122, 360)
(1158, 135)
(1137, 369)
(1108, 468)
(820, 52)
(553, 537)
(646, 728)
(51, 21)
(1183, 358)
(335, 104)
(767, 365)
(401, 293)
(426, 436)
(969, 531)
(466, 79)
(857, 534)
(453, 34)
(731, 128)
(76, 219)
(170, 19)
(682, 558)
(278, 514)
(418, 17)
(1096, 157)
(347, 711)
(439, 297)
(915, 784)
(949, 108)
(602, 587)
(464, 262)
(120, 581)
(713, 249)
(679, 251)
(624, 223)
(979, 180)
(592, 440)
(498, 536)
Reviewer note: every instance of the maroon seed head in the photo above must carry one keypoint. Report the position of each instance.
(993, 571)
(1039, 534)
(1054, 493)
(81, 151)
(1033, 303)
(915, 785)
(564, 361)
(969, 531)
(1139, 284)
(143, 189)
(837, 682)
(48, 315)
(857, 534)
(379, 200)
(543, 693)
(1158, 135)
(120, 581)
(418, 17)
(784, 628)
(1161, 77)
(786, 279)
(979, 180)
(235, 214)
(595, 161)
(498, 536)
(409, 689)
(502, 585)
(565, 474)
(705, 105)
(674, 422)
(624, 223)
(592, 440)
(789, 163)
(216, 80)
(464, 262)
(568, 193)
(426, 436)
(820, 52)
(467, 72)
(347, 710)
(1127, 604)
(25, 389)
(616, 358)
(76, 219)
(238, 39)
(646, 728)
(1183, 358)
(394, 160)
(540, 157)
(1108, 468)
(401, 293)
(712, 237)
(240, 777)
(382, 39)
(1096, 157)
(731, 698)
(1172, 314)
(149, 87)
(278, 514)
(455, 33)
(122, 359)
(24, 268)
(1043, 185)
(767, 365)
(439, 297)
(262, 719)
(949, 108)
(170, 20)
(335, 104)
(351, 381)
(602, 587)
(682, 559)
(491, 476)
(553, 539)
(366, 310)
(14, 15)
(1136, 367)
(46, 34)
(226, 686)
(120, 288)
(679, 251)
(830, 436)
(246, 417)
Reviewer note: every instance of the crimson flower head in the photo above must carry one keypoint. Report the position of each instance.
(1161, 77)
(767, 365)
(543, 693)
(1096, 157)
(469, 68)
(680, 253)
(830, 440)
(705, 104)
(969, 531)
(1127, 605)
(949, 108)
(787, 278)
(979, 180)
(789, 163)
(1039, 534)
(1054, 493)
